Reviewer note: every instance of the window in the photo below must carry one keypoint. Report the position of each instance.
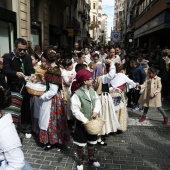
(94, 18)
(94, 6)
(6, 4)
(7, 37)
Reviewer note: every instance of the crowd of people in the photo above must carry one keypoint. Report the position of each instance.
(82, 84)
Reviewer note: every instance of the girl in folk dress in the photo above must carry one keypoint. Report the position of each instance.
(107, 111)
(52, 118)
(151, 96)
(117, 86)
(68, 74)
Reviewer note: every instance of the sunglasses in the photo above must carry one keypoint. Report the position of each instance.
(20, 49)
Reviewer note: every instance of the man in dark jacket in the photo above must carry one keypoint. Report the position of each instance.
(138, 75)
(18, 65)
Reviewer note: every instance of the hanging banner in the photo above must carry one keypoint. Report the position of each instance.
(83, 33)
(115, 36)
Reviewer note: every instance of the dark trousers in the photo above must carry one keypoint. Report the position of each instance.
(133, 96)
(164, 88)
(162, 111)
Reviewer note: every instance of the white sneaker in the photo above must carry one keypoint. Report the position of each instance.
(28, 135)
(96, 164)
(80, 167)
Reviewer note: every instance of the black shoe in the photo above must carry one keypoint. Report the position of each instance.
(21, 139)
(102, 143)
(119, 132)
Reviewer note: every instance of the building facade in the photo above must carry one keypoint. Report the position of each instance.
(146, 21)
(44, 22)
(104, 29)
(95, 22)
(152, 22)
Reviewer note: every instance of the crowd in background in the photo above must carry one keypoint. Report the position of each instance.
(96, 80)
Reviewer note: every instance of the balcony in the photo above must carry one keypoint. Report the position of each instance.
(74, 23)
(93, 25)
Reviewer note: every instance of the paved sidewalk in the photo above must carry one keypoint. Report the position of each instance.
(144, 146)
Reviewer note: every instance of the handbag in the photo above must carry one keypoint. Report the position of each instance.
(15, 108)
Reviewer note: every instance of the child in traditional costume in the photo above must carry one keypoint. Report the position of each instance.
(11, 155)
(52, 117)
(116, 90)
(85, 103)
(68, 74)
(107, 112)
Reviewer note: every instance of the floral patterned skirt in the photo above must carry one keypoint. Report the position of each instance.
(57, 132)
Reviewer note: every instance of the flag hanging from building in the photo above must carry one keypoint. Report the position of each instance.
(115, 36)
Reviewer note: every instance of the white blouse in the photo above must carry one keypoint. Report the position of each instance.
(10, 145)
(76, 106)
(121, 79)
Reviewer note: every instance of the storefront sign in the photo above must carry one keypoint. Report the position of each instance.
(90, 39)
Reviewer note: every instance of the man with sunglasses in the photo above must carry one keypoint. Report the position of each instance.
(18, 65)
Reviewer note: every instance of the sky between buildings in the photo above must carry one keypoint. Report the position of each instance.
(108, 8)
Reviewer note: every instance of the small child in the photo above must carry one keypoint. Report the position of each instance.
(68, 74)
(98, 69)
(85, 103)
(151, 96)
(35, 60)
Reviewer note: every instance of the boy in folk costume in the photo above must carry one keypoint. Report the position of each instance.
(85, 104)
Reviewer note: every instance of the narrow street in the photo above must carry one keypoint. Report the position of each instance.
(144, 146)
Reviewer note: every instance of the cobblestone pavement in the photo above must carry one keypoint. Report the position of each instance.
(143, 146)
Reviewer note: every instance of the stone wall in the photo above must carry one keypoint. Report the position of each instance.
(22, 9)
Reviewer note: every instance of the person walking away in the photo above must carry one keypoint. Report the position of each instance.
(85, 103)
(151, 96)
